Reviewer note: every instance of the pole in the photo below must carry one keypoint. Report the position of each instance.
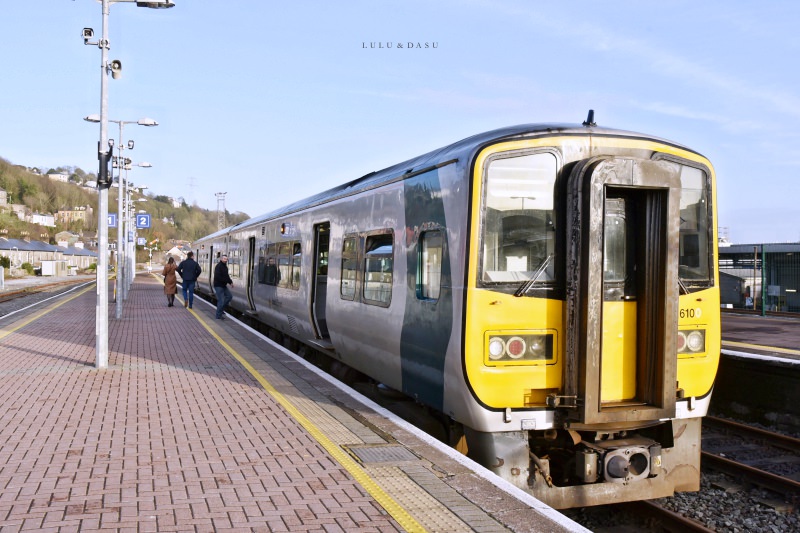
(131, 236)
(101, 329)
(763, 280)
(755, 262)
(120, 242)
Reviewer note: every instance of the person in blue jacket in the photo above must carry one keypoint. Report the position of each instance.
(189, 271)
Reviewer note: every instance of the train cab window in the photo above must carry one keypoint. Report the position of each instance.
(694, 256)
(517, 234)
(429, 271)
(349, 267)
(378, 269)
(296, 260)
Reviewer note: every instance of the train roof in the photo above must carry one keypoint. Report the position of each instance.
(451, 152)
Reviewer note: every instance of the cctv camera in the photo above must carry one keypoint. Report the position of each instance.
(88, 33)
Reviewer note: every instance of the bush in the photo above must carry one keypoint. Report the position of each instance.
(5, 262)
(27, 267)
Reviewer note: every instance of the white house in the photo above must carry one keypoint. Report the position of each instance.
(59, 177)
(44, 220)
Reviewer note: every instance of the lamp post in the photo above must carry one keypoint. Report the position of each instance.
(131, 225)
(130, 248)
(115, 69)
(121, 290)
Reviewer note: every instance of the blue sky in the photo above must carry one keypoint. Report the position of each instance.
(272, 101)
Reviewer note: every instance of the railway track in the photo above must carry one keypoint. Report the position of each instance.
(36, 289)
(666, 519)
(764, 458)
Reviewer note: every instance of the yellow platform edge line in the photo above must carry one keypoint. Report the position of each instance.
(394, 509)
(6, 332)
(733, 344)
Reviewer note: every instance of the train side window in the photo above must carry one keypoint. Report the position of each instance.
(262, 265)
(349, 267)
(284, 264)
(271, 274)
(429, 272)
(296, 261)
(378, 269)
(234, 261)
(518, 235)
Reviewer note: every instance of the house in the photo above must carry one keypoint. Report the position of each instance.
(21, 210)
(80, 213)
(44, 220)
(59, 176)
(66, 238)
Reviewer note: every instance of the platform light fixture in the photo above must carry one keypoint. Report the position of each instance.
(122, 184)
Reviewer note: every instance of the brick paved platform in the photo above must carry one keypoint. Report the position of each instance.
(203, 425)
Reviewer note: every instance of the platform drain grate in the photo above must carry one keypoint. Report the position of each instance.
(369, 454)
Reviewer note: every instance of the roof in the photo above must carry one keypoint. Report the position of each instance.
(39, 246)
(736, 249)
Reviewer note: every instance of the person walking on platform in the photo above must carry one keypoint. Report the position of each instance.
(189, 271)
(170, 281)
(221, 281)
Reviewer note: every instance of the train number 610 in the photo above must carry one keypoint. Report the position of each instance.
(690, 313)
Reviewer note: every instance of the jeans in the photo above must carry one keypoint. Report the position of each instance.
(188, 291)
(224, 297)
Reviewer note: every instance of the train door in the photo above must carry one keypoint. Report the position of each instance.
(622, 270)
(319, 291)
(249, 274)
(210, 269)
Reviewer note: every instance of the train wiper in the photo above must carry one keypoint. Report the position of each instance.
(525, 287)
(682, 288)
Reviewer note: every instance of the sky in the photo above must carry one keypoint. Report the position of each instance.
(270, 102)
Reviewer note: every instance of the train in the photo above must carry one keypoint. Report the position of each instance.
(549, 292)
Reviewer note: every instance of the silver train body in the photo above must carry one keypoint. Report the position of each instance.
(397, 275)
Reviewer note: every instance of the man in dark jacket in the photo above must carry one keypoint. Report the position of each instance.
(221, 281)
(189, 271)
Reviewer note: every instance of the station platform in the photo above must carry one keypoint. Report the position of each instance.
(200, 424)
(765, 336)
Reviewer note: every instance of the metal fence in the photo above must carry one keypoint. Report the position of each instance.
(764, 278)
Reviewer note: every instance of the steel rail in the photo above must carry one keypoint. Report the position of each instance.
(669, 520)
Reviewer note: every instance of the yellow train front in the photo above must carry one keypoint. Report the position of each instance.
(548, 291)
(592, 314)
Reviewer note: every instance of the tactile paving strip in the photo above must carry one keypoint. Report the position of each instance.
(369, 454)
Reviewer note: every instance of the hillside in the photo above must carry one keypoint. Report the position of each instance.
(41, 194)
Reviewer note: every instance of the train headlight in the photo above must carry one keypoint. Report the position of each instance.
(519, 347)
(696, 341)
(691, 341)
(496, 348)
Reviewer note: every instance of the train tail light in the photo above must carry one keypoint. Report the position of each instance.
(519, 348)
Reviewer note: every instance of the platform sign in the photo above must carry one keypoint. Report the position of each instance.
(131, 234)
(112, 220)
(141, 241)
(143, 220)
